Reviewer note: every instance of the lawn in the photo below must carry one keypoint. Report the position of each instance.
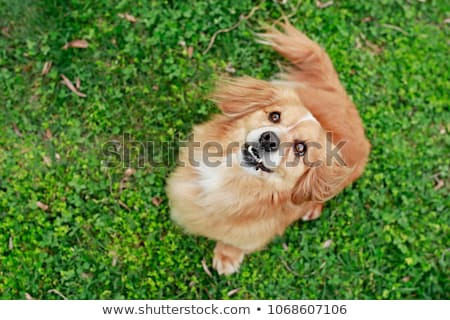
(75, 223)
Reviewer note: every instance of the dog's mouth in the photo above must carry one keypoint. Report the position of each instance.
(252, 158)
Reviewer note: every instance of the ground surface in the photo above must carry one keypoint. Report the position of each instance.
(70, 228)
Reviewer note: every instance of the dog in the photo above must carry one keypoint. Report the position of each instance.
(264, 162)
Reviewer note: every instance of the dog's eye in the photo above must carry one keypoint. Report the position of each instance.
(300, 148)
(275, 117)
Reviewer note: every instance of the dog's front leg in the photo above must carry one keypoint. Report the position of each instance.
(227, 258)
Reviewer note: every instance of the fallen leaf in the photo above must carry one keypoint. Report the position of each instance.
(229, 68)
(5, 32)
(57, 292)
(128, 17)
(123, 205)
(114, 258)
(16, 130)
(190, 51)
(48, 134)
(406, 279)
(233, 292)
(129, 172)
(41, 205)
(81, 44)
(86, 275)
(322, 5)
(28, 296)
(123, 184)
(46, 68)
(47, 161)
(205, 267)
(71, 87)
(156, 201)
(440, 183)
(27, 68)
(10, 243)
(327, 243)
(367, 19)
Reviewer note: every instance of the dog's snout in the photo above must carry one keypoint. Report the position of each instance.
(269, 141)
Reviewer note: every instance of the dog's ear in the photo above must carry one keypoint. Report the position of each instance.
(236, 96)
(320, 183)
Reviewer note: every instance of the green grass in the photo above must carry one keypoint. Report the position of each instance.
(98, 240)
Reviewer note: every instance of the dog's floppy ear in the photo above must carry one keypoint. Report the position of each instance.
(320, 183)
(236, 96)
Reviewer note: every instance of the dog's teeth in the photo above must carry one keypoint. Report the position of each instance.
(250, 149)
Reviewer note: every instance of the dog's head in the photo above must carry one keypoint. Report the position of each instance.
(281, 141)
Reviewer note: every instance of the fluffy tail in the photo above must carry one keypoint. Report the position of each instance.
(310, 63)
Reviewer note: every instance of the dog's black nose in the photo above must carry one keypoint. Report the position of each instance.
(269, 141)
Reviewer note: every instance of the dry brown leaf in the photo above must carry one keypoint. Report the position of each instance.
(114, 258)
(156, 201)
(58, 293)
(440, 183)
(205, 267)
(233, 292)
(128, 17)
(28, 296)
(48, 134)
(367, 19)
(11, 243)
(322, 5)
(47, 161)
(17, 131)
(123, 205)
(41, 205)
(5, 32)
(123, 184)
(86, 275)
(327, 243)
(190, 51)
(229, 68)
(71, 87)
(46, 68)
(129, 172)
(81, 44)
(406, 279)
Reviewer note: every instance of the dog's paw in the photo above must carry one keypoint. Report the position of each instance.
(313, 213)
(227, 259)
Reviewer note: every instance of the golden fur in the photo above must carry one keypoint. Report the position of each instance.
(243, 210)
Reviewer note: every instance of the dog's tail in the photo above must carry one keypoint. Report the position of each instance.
(311, 65)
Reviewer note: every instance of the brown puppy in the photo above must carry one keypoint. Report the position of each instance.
(274, 156)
